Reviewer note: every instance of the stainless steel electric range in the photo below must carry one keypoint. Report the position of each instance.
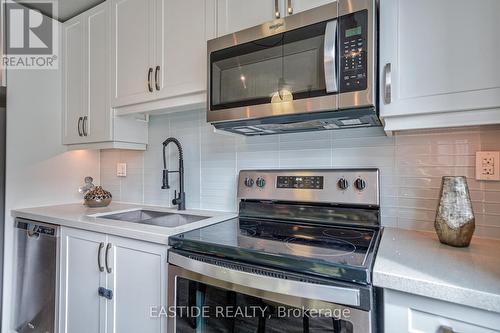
(297, 259)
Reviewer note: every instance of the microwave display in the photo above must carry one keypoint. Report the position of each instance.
(353, 32)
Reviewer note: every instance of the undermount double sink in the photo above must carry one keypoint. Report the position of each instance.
(151, 217)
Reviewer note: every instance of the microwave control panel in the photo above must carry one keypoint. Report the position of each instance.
(353, 30)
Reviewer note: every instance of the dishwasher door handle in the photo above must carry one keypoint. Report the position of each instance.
(99, 264)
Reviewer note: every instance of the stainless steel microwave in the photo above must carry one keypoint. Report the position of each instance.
(314, 70)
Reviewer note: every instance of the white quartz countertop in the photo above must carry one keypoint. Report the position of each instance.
(417, 263)
(82, 217)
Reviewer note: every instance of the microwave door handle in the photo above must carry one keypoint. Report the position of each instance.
(330, 57)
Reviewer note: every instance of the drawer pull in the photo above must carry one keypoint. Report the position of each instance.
(446, 329)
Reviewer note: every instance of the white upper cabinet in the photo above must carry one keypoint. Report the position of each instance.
(181, 46)
(297, 6)
(159, 53)
(98, 125)
(133, 51)
(439, 63)
(73, 80)
(235, 15)
(88, 117)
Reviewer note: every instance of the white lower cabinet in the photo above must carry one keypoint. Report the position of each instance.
(81, 309)
(134, 272)
(138, 281)
(417, 314)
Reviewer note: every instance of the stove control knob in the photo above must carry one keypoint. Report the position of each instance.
(260, 182)
(360, 184)
(248, 182)
(343, 184)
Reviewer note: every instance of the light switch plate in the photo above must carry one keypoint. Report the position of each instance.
(121, 169)
(488, 165)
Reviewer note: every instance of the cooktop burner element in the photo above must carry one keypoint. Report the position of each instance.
(313, 222)
(343, 233)
(302, 247)
(309, 241)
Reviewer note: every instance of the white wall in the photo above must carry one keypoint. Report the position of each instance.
(39, 170)
(411, 166)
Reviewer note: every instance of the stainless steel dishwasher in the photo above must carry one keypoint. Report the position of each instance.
(36, 278)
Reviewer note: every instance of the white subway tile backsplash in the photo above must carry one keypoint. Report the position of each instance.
(305, 158)
(411, 166)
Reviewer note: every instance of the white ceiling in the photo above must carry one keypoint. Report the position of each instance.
(65, 10)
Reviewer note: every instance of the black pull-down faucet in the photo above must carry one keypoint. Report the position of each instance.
(180, 200)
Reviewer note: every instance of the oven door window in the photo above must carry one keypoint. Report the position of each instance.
(202, 308)
(282, 67)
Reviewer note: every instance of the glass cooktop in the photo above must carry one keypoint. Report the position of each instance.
(330, 251)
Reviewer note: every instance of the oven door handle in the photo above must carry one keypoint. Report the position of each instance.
(330, 56)
(333, 294)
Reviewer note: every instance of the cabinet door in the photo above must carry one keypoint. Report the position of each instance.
(138, 280)
(181, 46)
(414, 314)
(74, 79)
(98, 123)
(234, 15)
(297, 6)
(132, 49)
(81, 309)
(441, 57)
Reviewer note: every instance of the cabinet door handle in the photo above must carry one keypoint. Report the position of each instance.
(84, 126)
(150, 71)
(387, 84)
(106, 258)
(157, 83)
(289, 8)
(277, 9)
(99, 264)
(79, 126)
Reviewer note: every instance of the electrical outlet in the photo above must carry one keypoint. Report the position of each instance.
(121, 169)
(488, 165)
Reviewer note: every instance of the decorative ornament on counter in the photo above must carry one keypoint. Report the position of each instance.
(89, 185)
(455, 222)
(97, 197)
